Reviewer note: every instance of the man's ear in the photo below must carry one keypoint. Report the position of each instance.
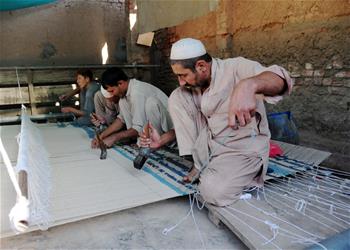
(86, 78)
(201, 66)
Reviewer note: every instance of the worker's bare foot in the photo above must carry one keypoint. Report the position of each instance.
(191, 175)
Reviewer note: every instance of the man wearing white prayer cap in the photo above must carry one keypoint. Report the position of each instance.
(220, 119)
(106, 108)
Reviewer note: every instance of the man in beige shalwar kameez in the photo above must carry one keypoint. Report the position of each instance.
(220, 119)
(139, 103)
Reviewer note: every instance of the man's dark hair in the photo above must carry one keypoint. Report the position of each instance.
(191, 63)
(85, 73)
(112, 76)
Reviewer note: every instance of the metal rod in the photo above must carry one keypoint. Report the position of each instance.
(35, 117)
(93, 66)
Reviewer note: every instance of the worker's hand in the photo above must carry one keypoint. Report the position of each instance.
(109, 141)
(67, 109)
(242, 104)
(152, 142)
(97, 120)
(94, 143)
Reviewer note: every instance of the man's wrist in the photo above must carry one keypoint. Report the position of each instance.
(115, 137)
(253, 85)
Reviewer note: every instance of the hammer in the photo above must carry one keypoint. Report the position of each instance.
(141, 158)
(102, 145)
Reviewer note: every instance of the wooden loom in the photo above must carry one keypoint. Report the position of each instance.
(165, 170)
(108, 186)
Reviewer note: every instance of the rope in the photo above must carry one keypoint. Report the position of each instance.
(274, 228)
(10, 169)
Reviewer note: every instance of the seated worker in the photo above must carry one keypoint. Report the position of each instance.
(87, 89)
(139, 103)
(106, 108)
(220, 119)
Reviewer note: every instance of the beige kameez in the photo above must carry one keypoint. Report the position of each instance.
(229, 159)
(144, 103)
(105, 108)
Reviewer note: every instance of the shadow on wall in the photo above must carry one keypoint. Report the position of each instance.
(120, 50)
(48, 51)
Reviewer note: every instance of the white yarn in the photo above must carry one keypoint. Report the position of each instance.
(190, 212)
(33, 158)
(273, 215)
(10, 169)
(245, 196)
(310, 211)
(274, 229)
(19, 215)
(338, 203)
(250, 227)
(300, 206)
(290, 234)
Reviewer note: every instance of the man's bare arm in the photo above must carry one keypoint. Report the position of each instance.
(126, 134)
(114, 127)
(243, 100)
(69, 94)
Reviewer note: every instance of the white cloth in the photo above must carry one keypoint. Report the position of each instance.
(144, 102)
(19, 215)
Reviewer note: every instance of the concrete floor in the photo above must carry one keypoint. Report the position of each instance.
(137, 228)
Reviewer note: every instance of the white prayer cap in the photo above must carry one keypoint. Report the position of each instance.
(105, 93)
(187, 48)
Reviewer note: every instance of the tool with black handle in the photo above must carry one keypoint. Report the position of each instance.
(101, 144)
(144, 152)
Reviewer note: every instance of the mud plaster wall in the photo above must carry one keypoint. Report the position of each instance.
(156, 14)
(68, 32)
(309, 38)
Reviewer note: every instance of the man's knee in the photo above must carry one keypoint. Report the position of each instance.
(215, 191)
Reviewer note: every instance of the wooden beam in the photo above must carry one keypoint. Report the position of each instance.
(31, 92)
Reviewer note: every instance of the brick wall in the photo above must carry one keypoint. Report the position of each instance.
(66, 32)
(160, 53)
(308, 38)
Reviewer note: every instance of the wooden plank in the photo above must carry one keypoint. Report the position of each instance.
(31, 92)
(49, 76)
(301, 153)
(12, 95)
(238, 224)
(9, 77)
(53, 75)
(51, 93)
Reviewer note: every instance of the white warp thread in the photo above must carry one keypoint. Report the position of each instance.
(300, 206)
(190, 212)
(33, 159)
(274, 229)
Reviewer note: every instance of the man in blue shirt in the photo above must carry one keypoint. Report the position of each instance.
(88, 87)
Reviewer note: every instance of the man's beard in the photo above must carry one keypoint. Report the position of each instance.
(202, 84)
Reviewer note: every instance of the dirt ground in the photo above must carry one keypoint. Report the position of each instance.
(137, 228)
